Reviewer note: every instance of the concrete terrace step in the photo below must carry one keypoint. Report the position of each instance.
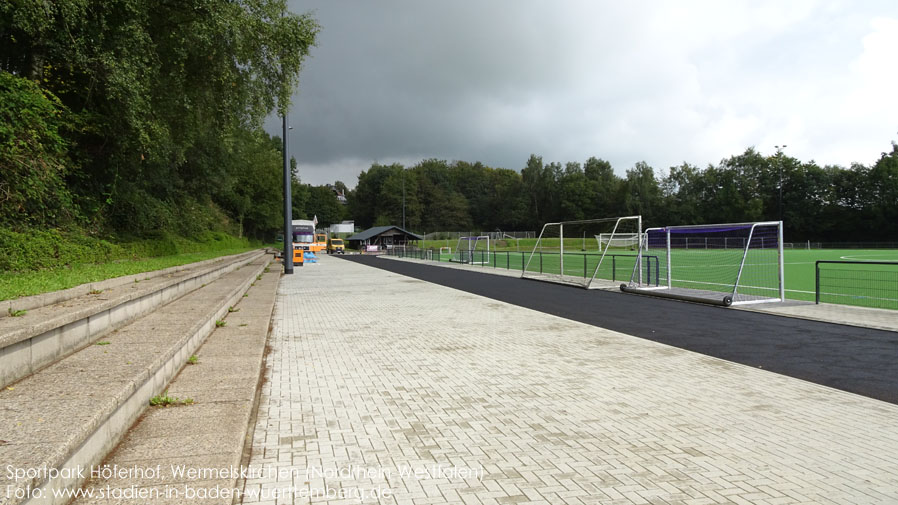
(57, 324)
(70, 414)
(207, 435)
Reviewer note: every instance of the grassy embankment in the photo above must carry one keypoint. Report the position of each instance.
(37, 262)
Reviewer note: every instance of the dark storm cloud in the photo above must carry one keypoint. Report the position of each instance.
(627, 81)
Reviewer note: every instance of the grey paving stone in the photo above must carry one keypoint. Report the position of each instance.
(368, 370)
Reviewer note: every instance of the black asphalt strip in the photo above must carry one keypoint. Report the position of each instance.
(858, 360)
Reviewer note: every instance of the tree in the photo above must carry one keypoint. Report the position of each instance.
(574, 194)
(159, 91)
(683, 194)
(642, 195)
(323, 203)
(507, 201)
(604, 186)
(883, 196)
(33, 162)
(365, 201)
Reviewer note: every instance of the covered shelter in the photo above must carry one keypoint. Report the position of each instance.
(382, 237)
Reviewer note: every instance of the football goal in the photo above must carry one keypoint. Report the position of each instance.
(472, 250)
(591, 253)
(619, 241)
(722, 264)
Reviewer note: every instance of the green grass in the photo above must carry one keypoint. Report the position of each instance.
(800, 274)
(715, 270)
(17, 284)
(164, 400)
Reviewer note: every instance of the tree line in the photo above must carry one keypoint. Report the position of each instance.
(124, 118)
(819, 203)
(127, 118)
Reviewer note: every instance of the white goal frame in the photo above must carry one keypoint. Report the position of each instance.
(629, 239)
(589, 282)
(466, 254)
(744, 244)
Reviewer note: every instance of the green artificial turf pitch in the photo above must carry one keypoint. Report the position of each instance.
(866, 284)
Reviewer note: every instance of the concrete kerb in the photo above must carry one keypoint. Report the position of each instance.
(44, 299)
(29, 348)
(109, 425)
(865, 317)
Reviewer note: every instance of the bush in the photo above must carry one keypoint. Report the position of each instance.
(43, 249)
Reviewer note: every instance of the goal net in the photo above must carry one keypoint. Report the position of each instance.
(621, 240)
(723, 264)
(592, 253)
(472, 250)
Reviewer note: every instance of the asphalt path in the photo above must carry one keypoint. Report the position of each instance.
(859, 360)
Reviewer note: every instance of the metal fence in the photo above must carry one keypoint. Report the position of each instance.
(621, 265)
(840, 245)
(862, 283)
(493, 235)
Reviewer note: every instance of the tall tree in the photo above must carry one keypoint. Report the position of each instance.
(158, 92)
(642, 192)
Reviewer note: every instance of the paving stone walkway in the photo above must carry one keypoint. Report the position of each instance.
(387, 389)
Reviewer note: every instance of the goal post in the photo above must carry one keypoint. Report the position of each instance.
(474, 250)
(722, 264)
(590, 253)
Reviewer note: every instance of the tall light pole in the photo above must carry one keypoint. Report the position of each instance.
(779, 161)
(288, 206)
(403, 198)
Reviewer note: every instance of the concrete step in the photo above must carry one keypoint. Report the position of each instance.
(209, 434)
(70, 414)
(57, 324)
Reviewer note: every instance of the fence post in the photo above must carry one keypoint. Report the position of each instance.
(584, 265)
(817, 283)
(540, 262)
(613, 268)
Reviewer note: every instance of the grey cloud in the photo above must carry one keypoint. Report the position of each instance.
(494, 81)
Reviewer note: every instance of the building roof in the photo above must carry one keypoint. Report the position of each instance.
(377, 230)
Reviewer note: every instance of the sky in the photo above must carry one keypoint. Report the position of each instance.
(665, 82)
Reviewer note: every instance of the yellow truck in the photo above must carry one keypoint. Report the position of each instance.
(320, 242)
(335, 246)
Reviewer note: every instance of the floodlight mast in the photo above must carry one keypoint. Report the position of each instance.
(288, 206)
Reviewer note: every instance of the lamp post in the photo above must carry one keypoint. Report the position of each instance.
(403, 198)
(779, 161)
(288, 207)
